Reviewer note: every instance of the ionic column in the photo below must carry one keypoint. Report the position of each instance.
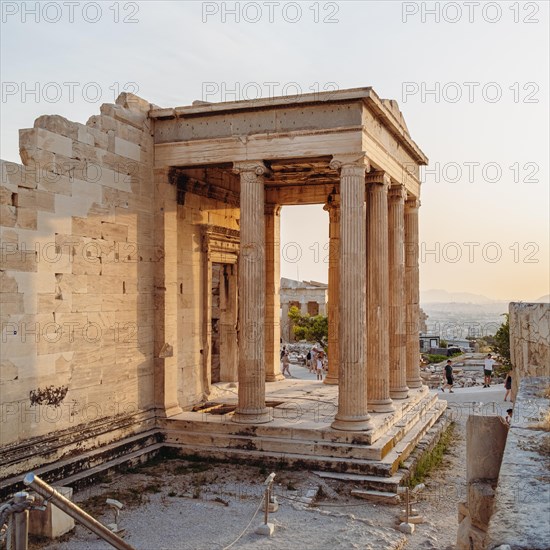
(333, 208)
(398, 338)
(272, 297)
(251, 407)
(352, 412)
(412, 292)
(378, 350)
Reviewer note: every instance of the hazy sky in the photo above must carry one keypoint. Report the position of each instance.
(471, 79)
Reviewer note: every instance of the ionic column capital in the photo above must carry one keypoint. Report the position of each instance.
(378, 177)
(397, 193)
(412, 203)
(350, 163)
(256, 167)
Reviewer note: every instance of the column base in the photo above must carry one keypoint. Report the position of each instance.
(352, 424)
(331, 380)
(414, 383)
(383, 406)
(253, 416)
(168, 411)
(274, 377)
(399, 393)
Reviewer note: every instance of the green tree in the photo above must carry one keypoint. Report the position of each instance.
(307, 327)
(501, 343)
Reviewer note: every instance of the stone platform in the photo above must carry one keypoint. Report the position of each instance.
(300, 435)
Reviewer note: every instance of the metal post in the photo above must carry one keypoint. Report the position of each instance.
(407, 508)
(20, 533)
(64, 504)
(266, 511)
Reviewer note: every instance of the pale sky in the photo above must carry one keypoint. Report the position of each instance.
(486, 118)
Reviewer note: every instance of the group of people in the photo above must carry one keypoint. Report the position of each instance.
(487, 373)
(315, 362)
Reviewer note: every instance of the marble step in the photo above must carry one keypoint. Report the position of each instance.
(377, 496)
(383, 484)
(302, 441)
(393, 427)
(86, 461)
(302, 454)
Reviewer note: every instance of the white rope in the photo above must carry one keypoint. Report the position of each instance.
(262, 501)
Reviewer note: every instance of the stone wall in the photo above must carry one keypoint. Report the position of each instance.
(76, 280)
(507, 470)
(520, 520)
(529, 341)
(102, 286)
(485, 441)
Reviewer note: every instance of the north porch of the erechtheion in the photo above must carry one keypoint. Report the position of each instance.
(351, 152)
(166, 268)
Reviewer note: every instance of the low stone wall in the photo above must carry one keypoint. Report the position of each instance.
(522, 501)
(529, 341)
(486, 438)
(508, 502)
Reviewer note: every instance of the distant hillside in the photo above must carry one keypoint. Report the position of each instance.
(438, 296)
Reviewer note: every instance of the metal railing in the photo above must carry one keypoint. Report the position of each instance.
(14, 521)
(16, 512)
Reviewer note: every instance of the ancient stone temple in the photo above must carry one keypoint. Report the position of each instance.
(140, 269)
(309, 297)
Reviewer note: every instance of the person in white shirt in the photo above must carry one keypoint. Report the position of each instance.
(320, 366)
(488, 370)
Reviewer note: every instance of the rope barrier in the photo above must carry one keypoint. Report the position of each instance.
(246, 528)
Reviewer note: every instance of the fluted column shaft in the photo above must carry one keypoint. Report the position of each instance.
(352, 412)
(251, 407)
(412, 292)
(377, 269)
(272, 293)
(333, 208)
(396, 244)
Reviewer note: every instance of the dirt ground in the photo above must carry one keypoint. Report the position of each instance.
(178, 504)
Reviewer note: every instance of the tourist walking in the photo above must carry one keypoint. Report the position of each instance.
(508, 386)
(308, 360)
(286, 363)
(488, 370)
(449, 377)
(320, 366)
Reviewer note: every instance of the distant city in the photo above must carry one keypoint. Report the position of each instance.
(462, 315)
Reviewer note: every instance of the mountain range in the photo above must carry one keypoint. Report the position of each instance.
(439, 296)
